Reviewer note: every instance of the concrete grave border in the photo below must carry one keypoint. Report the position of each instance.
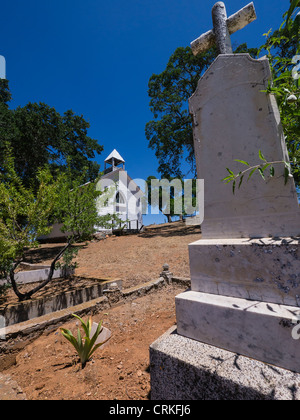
(20, 335)
(37, 307)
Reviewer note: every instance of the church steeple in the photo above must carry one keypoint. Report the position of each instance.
(113, 162)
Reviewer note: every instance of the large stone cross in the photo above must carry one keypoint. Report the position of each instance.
(223, 28)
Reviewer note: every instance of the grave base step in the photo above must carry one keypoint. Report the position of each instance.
(185, 369)
(260, 330)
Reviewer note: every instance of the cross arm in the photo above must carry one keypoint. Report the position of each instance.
(234, 23)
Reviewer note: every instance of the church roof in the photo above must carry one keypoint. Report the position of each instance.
(115, 155)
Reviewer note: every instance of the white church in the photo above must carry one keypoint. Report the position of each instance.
(121, 195)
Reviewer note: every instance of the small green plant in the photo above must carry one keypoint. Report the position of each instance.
(261, 168)
(85, 347)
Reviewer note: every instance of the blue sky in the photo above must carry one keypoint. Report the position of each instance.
(96, 57)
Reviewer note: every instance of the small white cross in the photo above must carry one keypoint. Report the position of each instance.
(223, 28)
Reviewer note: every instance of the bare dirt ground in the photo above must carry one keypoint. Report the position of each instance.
(48, 368)
(134, 259)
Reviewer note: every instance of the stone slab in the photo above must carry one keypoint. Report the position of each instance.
(39, 306)
(37, 325)
(233, 119)
(104, 336)
(266, 270)
(184, 369)
(10, 390)
(262, 331)
(33, 276)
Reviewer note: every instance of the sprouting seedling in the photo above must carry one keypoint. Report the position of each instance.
(85, 346)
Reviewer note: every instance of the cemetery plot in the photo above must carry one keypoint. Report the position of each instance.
(58, 294)
(48, 368)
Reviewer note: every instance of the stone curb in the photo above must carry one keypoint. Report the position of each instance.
(19, 335)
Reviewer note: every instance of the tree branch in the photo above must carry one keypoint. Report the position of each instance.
(13, 281)
(28, 295)
(51, 272)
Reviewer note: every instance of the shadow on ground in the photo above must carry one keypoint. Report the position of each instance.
(170, 229)
(46, 252)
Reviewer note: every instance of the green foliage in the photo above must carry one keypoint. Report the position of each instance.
(76, 207)
(170, 133)
(45, 165)
(85, 347)
(8, 130)
(292, 10)
(281, 48)
(28, 213)
(24, 215)
(67, 264)
(5, 95)
(251, 170)
(243, 49)
(39, 136)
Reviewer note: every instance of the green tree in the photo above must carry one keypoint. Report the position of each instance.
(25, 215)
(286, 39)
(77, 207)
(282, 48)
(39, 135)
(5, 95)
(169, 196)
(8, 129)
(170, 134)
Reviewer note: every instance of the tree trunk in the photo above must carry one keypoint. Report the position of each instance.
(169, 218)
(28, 295)
(13, 282)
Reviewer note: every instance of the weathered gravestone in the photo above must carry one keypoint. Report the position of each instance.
(234, 119)
(245, 271)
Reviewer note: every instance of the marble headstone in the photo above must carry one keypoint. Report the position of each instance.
(234, 118)
(247, 263)
(245, 271)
